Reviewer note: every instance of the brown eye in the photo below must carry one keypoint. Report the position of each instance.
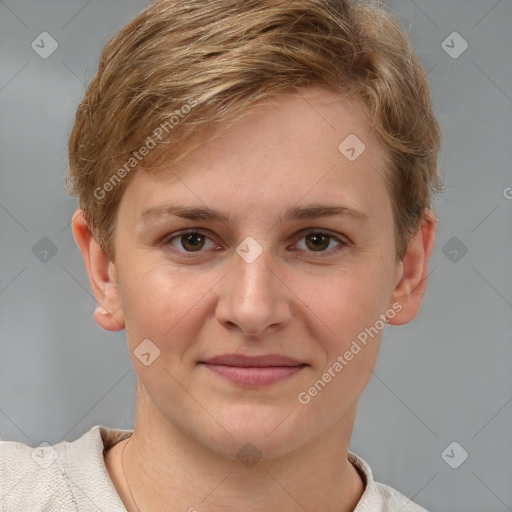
(192, 241)
(318, 241)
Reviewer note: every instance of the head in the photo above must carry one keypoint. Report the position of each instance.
(252, 110)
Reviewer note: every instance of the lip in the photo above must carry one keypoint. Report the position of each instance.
(252, 361)
(254, 371)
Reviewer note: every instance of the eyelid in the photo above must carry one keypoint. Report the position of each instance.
(322, 231)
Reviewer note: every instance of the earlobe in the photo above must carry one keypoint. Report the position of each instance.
(411, 287)
(107, 320)
(102, 275)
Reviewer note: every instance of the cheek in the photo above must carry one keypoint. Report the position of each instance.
(348, 300)
(349, 306)
(160, 297)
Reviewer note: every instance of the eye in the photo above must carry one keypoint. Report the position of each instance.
(320, 241)
(190, 241)
(315, 241)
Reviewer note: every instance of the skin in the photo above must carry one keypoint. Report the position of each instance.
(294, 299)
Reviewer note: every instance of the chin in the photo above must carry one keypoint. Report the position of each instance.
(267, 434)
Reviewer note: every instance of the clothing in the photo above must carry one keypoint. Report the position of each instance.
(72, 476)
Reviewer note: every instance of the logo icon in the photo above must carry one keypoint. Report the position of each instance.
(454, 249)
(352, 147)
(249, 249)
(44, 250)
(146, 352)
(44, 45)
(249, 455)
(454, 45)
(454, 455)
(45, 455)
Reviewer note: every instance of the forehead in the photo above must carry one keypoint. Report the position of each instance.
(297, 148)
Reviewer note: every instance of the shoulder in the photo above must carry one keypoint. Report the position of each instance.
(63, 476)
(394, 500)
(378, 497)
(30, 475)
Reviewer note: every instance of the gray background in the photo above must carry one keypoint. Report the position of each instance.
(444, 377)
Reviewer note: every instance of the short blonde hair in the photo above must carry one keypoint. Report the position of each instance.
(181, 69)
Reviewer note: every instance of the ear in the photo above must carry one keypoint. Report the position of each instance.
(413, 272)
(102, 275)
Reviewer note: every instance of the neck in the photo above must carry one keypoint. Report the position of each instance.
(166, 469)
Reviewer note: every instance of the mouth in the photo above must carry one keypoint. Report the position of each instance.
(254, 371)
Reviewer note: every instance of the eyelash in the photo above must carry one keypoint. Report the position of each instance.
(190, 254)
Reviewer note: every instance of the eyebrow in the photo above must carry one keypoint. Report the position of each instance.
(313, 211)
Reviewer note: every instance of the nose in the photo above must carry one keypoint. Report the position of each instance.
(253, 296)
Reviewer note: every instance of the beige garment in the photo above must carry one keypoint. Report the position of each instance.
(72, 476)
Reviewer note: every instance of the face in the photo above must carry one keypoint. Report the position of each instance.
(274, 271)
